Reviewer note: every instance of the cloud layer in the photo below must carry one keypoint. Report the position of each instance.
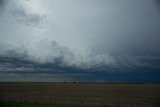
(22, 11)
(50, 52)
(78, 37)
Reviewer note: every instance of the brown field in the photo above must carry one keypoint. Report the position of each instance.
(103, 95)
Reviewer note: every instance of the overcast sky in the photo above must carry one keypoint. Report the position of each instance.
(78, 36)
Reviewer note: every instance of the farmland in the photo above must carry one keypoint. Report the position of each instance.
(88, 95)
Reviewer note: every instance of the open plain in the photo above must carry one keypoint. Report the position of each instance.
(101, 95)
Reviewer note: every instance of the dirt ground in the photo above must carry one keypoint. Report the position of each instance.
(105, 95)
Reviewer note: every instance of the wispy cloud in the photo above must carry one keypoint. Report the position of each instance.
(22, 11)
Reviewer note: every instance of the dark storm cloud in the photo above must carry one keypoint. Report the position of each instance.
(62, 59)
(16, 64)
(13, 69)
(115, 27)
(133, 28)
(157, 2)
(79, 37)
(2, 3)
(56, 55)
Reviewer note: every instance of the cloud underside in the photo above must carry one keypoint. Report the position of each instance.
(90, 40)
(49, 56)
(46, 55)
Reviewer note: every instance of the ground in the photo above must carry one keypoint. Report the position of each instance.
(67, 95)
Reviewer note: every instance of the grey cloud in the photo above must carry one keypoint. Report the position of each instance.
(28, 19)
(18, 11)
(67, 57)
(157, 3)
(120, 26)
(48, 55)
(47, 51)
(82, 36)
(128, 61)
(2, 4)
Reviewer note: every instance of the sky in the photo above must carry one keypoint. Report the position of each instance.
(80, 40)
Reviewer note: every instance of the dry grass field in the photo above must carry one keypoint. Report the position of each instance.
(101, 95)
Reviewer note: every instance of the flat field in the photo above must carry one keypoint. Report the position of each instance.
(88, 95)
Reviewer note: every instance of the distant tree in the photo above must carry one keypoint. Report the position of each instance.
(64, 82)
(74, 82)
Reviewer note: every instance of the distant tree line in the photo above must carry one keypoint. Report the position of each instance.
(73, 82)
